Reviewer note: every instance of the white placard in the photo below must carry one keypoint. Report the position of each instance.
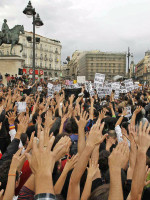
(50, 90)
(21, 107)
(39, 88)
(80, 79)
(57, 88)
(99, 78)
(128, 108)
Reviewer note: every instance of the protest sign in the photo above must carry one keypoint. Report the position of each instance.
(57, 88)
(50, 90)
(21, 107)
(80, 79)
(99, 78)
(39, 89)
(129, 113)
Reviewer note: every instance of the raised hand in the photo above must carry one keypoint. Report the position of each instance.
(92, 169)
(120, 156)
(23, 125)
(83, 119)
(65, 143)
(144, 137)
(138, 109)
(95, 136)
(11, 117)
(71, 163)
(42, 159)
(102, 114)
(16, 162)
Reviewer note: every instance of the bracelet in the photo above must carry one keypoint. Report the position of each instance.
(11, 174)
(11, 125)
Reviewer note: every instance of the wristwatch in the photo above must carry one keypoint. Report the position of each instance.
(122, 115)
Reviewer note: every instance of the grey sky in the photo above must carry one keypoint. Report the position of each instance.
(110, 25)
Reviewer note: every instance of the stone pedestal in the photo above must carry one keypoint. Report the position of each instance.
(10, 65)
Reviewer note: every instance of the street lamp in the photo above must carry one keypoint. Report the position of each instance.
(37, 22)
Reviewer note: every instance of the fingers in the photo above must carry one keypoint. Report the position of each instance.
(28, 156)
(34, 144)
(103, 138)
(144, 127)
(18, 152)
(41, 140)
(50, 143)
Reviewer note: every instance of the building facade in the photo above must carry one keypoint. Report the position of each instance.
(142, 70)
(73, 65)
(47, 55)
(132, 70)
(108, 63)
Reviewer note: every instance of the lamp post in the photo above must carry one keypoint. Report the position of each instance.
(128, 56)
(30, 12)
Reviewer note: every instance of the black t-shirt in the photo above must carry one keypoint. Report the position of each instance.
(27, 91)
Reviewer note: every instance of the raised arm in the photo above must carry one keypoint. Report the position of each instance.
(140, 166)
(81, 132)
(95, 137)
(68, 166)
(117, 160)
(92, 170)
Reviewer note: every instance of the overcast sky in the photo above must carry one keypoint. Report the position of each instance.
(105, 25)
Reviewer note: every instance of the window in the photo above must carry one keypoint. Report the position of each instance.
(91, 64)
(50, 66)
(45, 73)
(92, 59)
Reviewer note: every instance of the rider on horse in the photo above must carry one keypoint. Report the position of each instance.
(5, 30)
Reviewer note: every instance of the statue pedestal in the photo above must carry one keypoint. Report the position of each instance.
(10, 65)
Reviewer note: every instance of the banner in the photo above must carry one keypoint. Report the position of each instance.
(30, 71)
(41, 72)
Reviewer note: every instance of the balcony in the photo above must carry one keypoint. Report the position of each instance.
(51, 59)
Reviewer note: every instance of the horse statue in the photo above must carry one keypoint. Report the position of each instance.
(12, 37)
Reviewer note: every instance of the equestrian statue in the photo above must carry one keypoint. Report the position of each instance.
(11, 36)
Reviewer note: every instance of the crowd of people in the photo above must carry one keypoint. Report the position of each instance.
(71, 147)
